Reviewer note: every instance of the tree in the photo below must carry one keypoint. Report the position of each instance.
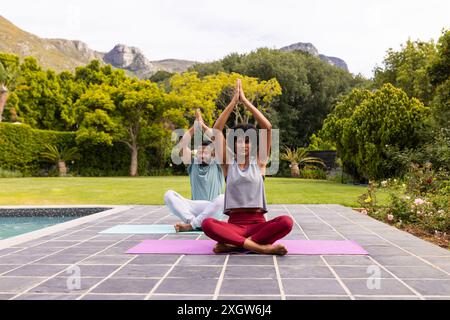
(97, 74)
(94, 114)
(439, 68)
(333, 128)
(299, 158)
(212, 93)
(407, 69)
(309, 87)
(136, 113)
(60, 157)
(161, 76)
(318, 144)
(41, 100)
(439, 71)
(9, 72)
(71, 91)
(139, 109)
(366, 126)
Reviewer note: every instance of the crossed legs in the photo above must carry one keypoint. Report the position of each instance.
(258, 237)
(192, 212)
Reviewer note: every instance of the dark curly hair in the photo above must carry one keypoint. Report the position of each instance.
(245, 127)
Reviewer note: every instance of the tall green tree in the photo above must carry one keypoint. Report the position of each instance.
(367, 125)
(40, 99)
(407, 69)
(96, 74)
(135, 113)
(140, 107)
(439, 72)
(212, 93)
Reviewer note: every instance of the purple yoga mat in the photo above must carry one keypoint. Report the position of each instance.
(294, 247)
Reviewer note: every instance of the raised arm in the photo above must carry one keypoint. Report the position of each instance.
(184, 142)
(188, 135)
(263, 122)
(223, 118)
(207, 130)
(219, 125)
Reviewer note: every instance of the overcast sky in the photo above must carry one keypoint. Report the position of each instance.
(357, 31)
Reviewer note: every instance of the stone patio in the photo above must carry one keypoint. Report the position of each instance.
(408, 267)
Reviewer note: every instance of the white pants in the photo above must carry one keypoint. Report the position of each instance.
(194, 211)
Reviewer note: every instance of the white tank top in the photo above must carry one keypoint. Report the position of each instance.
(245, 188)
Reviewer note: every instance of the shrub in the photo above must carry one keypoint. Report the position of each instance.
(338, 175)
(10, 173)
(366, 125)
(313, 174)
(421, 198)
(21, 147)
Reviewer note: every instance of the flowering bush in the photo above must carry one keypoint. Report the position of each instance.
(368, 200)
(420, 199)
(423, 180)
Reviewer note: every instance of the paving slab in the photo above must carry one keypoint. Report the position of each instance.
(406, 267)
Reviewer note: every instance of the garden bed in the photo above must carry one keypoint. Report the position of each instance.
(440, 239)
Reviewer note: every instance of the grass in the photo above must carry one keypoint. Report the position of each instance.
(150, 191)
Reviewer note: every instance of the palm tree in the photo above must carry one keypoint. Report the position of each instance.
(299, 158)
(8, 78)
(60, 157)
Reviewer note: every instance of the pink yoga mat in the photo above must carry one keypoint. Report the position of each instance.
(294, 247)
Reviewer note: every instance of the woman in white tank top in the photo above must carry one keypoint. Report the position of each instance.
(245, 199)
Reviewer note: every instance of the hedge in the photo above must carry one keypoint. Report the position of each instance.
(21, 145)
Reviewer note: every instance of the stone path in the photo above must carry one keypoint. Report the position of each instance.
(400, 266)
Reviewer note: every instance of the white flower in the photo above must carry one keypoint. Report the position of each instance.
(384, 183)
(419, 201)
(390, 217)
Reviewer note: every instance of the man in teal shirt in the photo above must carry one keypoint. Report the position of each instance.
(207, 185)
(205, 175)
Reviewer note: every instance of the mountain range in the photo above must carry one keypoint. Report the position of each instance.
(62, 54)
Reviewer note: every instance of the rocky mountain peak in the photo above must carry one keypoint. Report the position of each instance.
(302, 46)
(312, 50)
(129, 58)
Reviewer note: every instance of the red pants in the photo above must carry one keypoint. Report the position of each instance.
(241, 226)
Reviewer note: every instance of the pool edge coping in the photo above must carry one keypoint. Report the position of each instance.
(33, 235)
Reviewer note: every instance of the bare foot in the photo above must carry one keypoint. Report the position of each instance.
(183, 227)
(222, 248)
(277, 249)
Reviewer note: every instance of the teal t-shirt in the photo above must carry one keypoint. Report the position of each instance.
(207, 181)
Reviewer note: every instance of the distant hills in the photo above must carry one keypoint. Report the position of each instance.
(61, 54)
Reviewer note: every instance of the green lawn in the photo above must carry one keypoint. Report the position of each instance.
(150, 190)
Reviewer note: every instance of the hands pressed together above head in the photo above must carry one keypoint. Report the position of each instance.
(239, 95)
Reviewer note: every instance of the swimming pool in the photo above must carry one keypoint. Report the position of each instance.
(14, 222)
